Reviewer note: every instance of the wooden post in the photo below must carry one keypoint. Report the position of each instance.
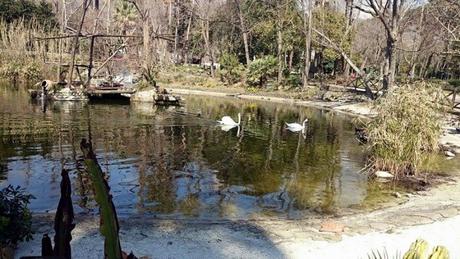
(77, 36)
(90, 65)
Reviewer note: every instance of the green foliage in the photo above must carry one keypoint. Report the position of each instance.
(11, 71)
(294, 80)
(41, 12)
(439, 252)
(232, 71)
(417, 250)
(125, 15)
(333, 25)
(21, 71)
(31, 72)
(109, 222)
(454, 82)
(406, 129)
(15, 217)
(261, 70)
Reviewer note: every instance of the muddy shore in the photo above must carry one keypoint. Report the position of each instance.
(432, 215)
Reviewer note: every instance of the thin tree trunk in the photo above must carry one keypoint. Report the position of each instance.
(205, 32)
(186, 43)
(280, 51)
(176, 34)
(307, 25)
(146, 42)
(244, 32)
(390, 64)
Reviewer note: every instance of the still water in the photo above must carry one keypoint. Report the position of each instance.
(177, 162)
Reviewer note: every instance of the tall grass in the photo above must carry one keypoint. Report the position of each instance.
(21, 55)
(406, 129)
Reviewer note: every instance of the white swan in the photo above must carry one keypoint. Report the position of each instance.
(227, 120)
(294, 127)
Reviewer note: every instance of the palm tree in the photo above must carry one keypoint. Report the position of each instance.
(125, 15)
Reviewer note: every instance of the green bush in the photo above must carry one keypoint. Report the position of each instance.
(41, 11)
(406, 129)
(31, 72)
(11, 71)
(15, 217)
(418, 250)
(294, 80)
(261, 70)
(232, 71)
(454, 82)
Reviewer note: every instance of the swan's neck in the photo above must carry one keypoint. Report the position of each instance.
(304, 123)
(239, 118)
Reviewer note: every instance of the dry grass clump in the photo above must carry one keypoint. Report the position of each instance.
(406, 129)
(21, 54)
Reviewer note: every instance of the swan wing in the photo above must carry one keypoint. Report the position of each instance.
(294, 129)
(227, 127)
(293, 125)
(227, 120)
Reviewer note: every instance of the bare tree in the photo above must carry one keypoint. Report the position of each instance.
(390, 13)
(307, 15)
(244, 31)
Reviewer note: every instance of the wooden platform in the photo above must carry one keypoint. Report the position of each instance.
(101, 91)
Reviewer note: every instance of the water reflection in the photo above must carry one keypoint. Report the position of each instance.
(177, 161)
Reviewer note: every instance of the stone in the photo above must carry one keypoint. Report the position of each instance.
(383, 174)
(397, 195)
(332, 226)
(449, 154)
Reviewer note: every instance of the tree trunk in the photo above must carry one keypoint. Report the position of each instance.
(307, 26)
(205, 32)
(390, 64)
(291, 59)
(186, 43)
(244, 32)
(280, 52)
(146, 42)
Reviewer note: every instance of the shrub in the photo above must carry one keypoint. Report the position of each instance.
(418, 249)
(294, 80)
(260, 70)
(232, 71)
(31, 72)
(454, 82)
(406, 129)
(11, 71)
(15, 217)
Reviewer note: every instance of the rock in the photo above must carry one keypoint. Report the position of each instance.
(456, 151)
(331, 226)
(397, 195)
(449, 154)
(384, 174)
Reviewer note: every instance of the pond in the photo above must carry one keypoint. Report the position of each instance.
(177, 162)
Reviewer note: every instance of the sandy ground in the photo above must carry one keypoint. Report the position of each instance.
(227, 241)
(432, 215)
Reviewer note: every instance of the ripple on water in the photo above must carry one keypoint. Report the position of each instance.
(176, 162)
